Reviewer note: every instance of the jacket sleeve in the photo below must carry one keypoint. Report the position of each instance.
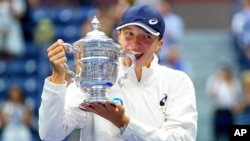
(56, 120)
(181, 116)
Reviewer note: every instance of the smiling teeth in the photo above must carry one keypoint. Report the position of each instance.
(136, 53)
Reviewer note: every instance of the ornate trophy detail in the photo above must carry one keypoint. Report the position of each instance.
(96, 61)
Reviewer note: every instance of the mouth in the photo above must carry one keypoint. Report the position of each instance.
(138, 55)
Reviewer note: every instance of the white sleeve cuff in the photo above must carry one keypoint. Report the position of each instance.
(51, 89)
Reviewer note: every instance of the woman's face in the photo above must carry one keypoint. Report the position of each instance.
(141, 43)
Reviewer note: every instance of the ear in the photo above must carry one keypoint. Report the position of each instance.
(159, 45)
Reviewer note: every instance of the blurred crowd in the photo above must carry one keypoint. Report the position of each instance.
(229, 89)
(28, 27)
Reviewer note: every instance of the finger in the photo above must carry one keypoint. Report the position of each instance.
(110, 106)
(90, 108)
(56, 55)
(60, 61)
(55, 51)
(99, 107)
(120, 108)
(54, 45)
(59, 42)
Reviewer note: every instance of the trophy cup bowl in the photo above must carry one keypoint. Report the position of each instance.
(96, 62)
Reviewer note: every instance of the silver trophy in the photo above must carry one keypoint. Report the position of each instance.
(96, 61)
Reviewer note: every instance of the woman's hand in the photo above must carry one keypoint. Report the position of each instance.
(115, 113)
(57, 57)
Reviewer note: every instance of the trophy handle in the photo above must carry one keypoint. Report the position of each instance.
(132, 57)
(71, 49)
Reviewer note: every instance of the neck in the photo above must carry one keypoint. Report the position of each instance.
(138, 72)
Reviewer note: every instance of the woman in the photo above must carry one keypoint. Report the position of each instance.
(158, 102)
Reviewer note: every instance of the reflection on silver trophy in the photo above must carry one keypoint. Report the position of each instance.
(96, 61)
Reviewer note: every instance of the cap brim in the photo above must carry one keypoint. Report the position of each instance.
(150, 30)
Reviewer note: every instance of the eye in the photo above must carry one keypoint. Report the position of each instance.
(128, 33)
(147, 37)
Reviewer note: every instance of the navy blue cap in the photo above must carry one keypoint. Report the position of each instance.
(146, 17)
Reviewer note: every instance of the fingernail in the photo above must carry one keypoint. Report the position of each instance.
(60, 40)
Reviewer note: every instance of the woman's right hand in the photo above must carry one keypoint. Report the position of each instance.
(57, 57)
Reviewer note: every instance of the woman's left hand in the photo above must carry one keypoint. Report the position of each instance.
(115, 113)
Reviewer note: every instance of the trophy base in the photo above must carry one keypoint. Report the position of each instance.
(95, 100)
(97, 95)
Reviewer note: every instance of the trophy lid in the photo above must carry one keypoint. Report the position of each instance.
(95, 33)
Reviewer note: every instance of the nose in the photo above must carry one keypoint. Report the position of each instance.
(137, 40)
(136, 43)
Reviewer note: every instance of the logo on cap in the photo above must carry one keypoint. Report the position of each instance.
(153, 21)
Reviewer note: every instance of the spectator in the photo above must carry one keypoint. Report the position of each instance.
(240, 17)
(104, 12)
(174, 27)
(119, 8)
(245, 51)
(223, 88)
(175, 61)
(109, 16)
(11, 34)
(240, 27)
(44, 33)
(16, 117)
(243, 106)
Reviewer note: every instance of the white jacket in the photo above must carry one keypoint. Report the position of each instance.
(59, 113)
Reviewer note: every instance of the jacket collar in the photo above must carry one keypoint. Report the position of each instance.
(147, 73)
